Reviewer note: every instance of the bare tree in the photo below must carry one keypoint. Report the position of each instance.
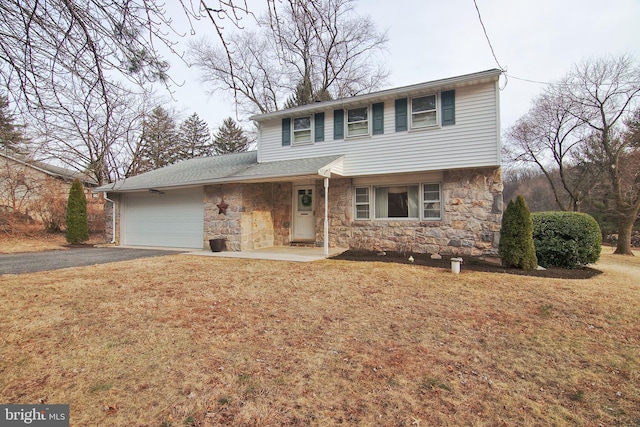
(577, 126)
(320, 49)
(44, 43)
(69, 63)
(547, 137)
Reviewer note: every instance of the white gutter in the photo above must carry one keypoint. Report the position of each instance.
(113, 218)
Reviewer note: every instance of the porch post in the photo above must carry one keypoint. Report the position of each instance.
(326, 217)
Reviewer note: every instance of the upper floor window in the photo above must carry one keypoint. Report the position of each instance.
(302, 130)
(423, 112)
(358, 121)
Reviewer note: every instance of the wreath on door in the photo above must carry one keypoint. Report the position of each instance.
(306, 200)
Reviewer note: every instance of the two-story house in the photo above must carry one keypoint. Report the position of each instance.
(414, 168)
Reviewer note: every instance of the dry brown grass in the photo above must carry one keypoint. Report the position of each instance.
(184, 340)
(38, 241)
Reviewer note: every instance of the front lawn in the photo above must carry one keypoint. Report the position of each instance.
(203, 341)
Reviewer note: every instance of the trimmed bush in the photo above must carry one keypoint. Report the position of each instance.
(77, 225)
(566, 239)
(516, 248)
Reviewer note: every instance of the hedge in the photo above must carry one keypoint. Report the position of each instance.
(566, 239)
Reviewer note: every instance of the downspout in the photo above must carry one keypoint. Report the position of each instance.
(113, 218)
(326, 217)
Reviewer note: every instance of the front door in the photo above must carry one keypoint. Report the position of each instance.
(304, 215)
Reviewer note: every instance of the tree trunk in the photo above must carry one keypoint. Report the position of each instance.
(625, 228)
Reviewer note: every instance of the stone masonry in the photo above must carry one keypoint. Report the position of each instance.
(470, 226)
(260, 215)
(257, 216)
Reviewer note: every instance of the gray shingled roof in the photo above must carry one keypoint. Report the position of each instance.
(240, 167)
(52, 170)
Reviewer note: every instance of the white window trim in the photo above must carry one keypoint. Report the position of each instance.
(437, 111)
(356, 203)
(311, 128)
(346, 123)
(421, 202)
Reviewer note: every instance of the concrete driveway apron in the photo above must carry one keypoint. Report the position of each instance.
(31, 262)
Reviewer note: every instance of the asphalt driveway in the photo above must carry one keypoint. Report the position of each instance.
(32, 262)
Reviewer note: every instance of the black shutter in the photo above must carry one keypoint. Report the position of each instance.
(401, 114)
(286, 131)
(378, 118)
(448, 99)
(338, 124)
(318, 120)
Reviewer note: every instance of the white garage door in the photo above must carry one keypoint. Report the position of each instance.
(173, 219)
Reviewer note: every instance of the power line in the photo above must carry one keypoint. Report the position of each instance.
(488, 40)
(529, 80)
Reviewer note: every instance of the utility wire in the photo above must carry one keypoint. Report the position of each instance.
(504, 70)
(487, 37)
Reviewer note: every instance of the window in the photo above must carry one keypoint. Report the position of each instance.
(362, 203)
(302, 130)
(398, 201)
(431, 201)
(423, 112)
(358, 121)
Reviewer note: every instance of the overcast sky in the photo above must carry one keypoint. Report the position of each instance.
(537, 40)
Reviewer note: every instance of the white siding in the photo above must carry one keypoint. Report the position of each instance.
(474, 141)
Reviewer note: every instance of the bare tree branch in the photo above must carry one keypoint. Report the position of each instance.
(322, 46)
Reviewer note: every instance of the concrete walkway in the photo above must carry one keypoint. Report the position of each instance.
(275, 253)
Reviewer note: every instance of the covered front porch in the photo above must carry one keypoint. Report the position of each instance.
(256, 215)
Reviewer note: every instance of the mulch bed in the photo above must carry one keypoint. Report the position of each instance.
(469, 263)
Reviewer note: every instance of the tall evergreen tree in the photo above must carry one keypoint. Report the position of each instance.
(10, 135)
(230, 138)
(304, 94)
(195, 138)
(76, 219)
(159, 146)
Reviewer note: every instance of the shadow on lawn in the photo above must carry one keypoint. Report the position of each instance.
(469, 264)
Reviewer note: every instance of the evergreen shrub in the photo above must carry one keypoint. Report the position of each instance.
(76, 218)
(516, 248)
(566, 239)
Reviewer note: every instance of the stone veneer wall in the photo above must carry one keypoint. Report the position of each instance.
(258, 215)
(109, 218)
(470, 226)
